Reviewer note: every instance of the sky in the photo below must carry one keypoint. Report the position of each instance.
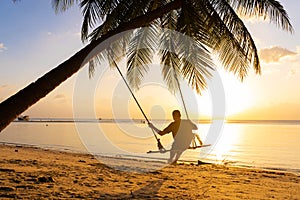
(34, 39)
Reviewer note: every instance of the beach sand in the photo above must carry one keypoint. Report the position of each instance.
(33, 173)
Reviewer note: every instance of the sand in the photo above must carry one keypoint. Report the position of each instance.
(33, 173)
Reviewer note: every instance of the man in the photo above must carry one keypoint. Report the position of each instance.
(182, 134)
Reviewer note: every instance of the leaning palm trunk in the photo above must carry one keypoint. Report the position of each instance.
(21, 101)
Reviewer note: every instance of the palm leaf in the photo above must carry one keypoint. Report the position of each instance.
(242, 40)
(113, 53)
(229, 38)
(170, 69)
(192, 23)
(271, 9)
(196, 62)
(62, 5)
(91, 10)
(124, 11)
(213, 24)
(140, 53)
(168, 51)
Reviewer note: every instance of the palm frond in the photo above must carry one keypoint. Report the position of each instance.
(62, 5)
(168, 51)
(196, 63)
(112, 19)
(124, 11)
(182, 53)
(170, 70)
(107, 6)
(195, 57)
(232, 58)
(271, 9)
(227, 32)
(91, 68)
(140, 53)
(96, 61)
(212, 25)
(91, 10)
(193, 23)
(169, 21)
(112, 54)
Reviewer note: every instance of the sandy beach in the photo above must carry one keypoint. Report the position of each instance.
(33, 173)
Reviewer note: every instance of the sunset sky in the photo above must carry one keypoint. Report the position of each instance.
(34, 40)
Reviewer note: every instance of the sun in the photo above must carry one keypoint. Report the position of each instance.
(239, 95)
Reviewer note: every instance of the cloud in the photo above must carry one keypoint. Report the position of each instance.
(255, 19)
(2, 47)
(77, 34)
(274, 54)
(59, 97)
(3, 87)
(292, 73)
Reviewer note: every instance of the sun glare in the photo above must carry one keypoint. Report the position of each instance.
(239, 95)
(158, 102)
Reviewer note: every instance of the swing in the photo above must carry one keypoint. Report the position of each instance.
(159, 145)
(161, 149)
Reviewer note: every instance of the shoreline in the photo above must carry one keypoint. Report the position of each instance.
(228, 163)
(34, 173)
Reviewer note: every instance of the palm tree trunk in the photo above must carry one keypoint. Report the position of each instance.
(22, 100)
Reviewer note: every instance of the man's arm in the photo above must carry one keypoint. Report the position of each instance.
(163, 132)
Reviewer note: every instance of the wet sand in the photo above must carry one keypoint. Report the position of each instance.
(33, 173)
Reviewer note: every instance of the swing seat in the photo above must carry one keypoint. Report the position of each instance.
(196, 142)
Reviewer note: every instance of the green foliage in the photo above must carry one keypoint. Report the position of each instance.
(211, 27)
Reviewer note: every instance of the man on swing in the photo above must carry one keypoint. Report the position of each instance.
(182, 134)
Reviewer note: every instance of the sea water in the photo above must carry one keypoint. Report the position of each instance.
(263, 144)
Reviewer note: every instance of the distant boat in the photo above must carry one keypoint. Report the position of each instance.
(23, 118)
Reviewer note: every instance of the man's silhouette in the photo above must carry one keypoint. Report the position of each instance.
(182, 134)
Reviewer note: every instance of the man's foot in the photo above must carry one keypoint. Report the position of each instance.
(172, 162)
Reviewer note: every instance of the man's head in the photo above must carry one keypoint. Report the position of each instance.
(176, 115)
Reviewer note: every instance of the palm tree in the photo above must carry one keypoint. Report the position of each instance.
(214, 24)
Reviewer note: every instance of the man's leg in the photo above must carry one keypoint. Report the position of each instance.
(172, 154)
(177, 156)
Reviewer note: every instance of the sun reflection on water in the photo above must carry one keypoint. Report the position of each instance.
(229, 140)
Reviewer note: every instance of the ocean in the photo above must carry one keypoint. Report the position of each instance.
(266, 144)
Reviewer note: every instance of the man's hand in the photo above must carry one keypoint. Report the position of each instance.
(153, 127)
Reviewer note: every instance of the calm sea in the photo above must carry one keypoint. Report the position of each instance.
(262, 144)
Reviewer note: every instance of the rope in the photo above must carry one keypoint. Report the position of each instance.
(160, 147)
(182, 99)
(193, 143)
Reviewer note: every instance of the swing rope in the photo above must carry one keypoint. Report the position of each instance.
(181, 95)
(159, 145)
(194, 143)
